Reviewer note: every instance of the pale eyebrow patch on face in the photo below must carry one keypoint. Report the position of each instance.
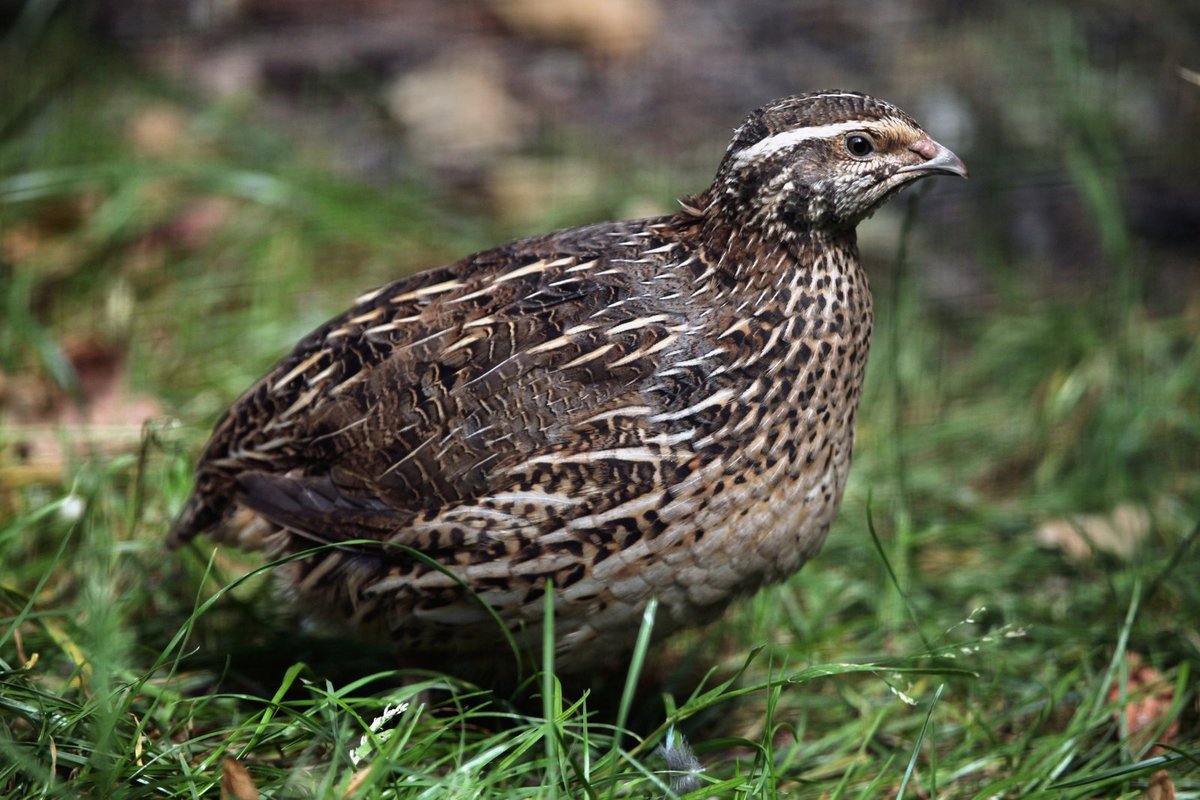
(884, 131)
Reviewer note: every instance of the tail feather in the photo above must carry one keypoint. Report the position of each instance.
(196, 517)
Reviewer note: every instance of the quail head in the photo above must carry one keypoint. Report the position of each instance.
(653, 408)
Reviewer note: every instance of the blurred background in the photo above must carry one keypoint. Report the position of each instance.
(188, 187)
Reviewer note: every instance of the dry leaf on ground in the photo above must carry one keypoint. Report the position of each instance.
(157, 131)
(456, 109)
(1161, 787)
(236, 783)
(1148, 698)
(1081, 536)
(613, 28)
(44, 427)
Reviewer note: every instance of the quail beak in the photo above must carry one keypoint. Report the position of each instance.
(938, 160)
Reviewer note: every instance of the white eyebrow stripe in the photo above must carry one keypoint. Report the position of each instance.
(765, 148)
(827, 95)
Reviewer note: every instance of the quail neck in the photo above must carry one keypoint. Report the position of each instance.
(653, 408)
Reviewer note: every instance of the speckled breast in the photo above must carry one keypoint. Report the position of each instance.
(722, 496)
(760, 506)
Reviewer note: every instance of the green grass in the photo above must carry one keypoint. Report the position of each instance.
(934, 649)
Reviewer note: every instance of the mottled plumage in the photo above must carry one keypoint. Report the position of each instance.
(660, 407)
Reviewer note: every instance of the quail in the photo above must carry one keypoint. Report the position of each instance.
(653, 408)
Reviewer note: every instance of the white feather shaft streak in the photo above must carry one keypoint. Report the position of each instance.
(630, 508)
(484, 292)
(298, 370)
(640, 322)
(538, 498)
(302, 401)
(386, 327)
(742, 325)
(481, 322)
(528, 269)
(553, 344)
(425, 291)
(586, 357)
(646, 351)
(672, 439)
(461, 343)
(373, 314)
(714, 399)
(699, 360)
(369, 296)
(666, 248)
(624, 411)
(581, 328)
(587, 456)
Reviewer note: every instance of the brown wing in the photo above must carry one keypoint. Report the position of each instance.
(411, 399)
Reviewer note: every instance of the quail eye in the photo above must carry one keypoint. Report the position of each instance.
(859, 145)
